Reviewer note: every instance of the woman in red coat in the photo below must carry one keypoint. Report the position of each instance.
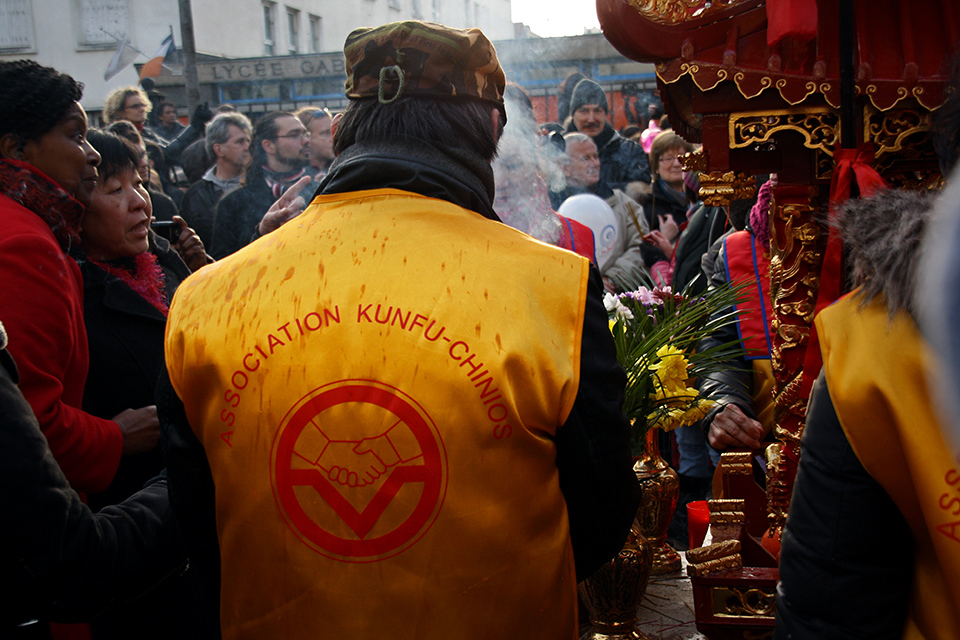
(47, 175)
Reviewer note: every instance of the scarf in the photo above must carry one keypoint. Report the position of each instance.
(24, 183)
(142, 274)
(456, 175)
(280, 182)
(678, 197)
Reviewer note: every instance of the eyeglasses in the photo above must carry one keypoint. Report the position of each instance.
(669, 159)
(139, 105)
(296, 134)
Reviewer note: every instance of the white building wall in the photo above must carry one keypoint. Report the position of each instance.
(50, 31)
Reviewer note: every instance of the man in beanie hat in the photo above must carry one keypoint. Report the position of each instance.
(395, 414)
(623, 164)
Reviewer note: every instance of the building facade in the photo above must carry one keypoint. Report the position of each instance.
(79, 37)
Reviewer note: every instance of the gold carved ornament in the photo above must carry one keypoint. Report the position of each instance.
(720, 188)
(890, 130)
(778, 501)
(820, 128)
(707, 76)
(793, 268)
(680, 11)
(743, 602)
(714, 558)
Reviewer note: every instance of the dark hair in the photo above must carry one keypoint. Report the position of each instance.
(265, 128)
(33, 98)
(459, 124)
(154, 151)
(116, 154)
(630, 130)
(163, 105)
(125, 129)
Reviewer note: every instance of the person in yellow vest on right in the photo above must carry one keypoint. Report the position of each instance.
(871, 547)
(395, 416)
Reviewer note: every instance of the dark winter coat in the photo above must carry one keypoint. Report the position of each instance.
(237, 218)
(199, 208)
(61, 561)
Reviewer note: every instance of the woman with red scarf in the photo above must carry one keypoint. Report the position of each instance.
(125, 310)
(48, 172)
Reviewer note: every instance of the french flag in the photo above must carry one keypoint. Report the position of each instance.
(152, 68)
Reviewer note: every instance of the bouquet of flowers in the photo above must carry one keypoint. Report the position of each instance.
(656, 332)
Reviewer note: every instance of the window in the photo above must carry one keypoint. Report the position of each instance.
(103, 22)
(16, 25)
(316, 34)
(417, 13)
(293, 31)
(269, 28)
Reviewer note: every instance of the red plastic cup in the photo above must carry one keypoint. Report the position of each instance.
(698, 521)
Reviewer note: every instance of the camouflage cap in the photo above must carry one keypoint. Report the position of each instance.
(422, 59)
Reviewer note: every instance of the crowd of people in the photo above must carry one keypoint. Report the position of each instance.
(400, 412)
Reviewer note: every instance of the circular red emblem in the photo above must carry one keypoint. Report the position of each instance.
(359, 470)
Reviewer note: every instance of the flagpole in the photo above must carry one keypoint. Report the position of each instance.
(191, 78)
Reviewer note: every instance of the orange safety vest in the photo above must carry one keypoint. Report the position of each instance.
(876, 369)
(377, 385)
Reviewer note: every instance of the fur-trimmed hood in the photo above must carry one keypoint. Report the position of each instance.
(882, 240)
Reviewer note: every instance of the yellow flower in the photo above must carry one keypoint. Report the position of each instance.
(672, 367)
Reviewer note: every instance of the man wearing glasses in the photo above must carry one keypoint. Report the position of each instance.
(279, 155)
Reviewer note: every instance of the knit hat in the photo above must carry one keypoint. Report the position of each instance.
(587, 92)
(422, 59)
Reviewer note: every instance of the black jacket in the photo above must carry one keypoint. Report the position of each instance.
(125, 336)
(199, 208)
(845, 582)
(237, 218)
(59, 560)
(733, 385)
(706, 225)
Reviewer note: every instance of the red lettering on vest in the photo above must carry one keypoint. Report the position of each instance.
(226, 438)
(317, 317)
(273, 342)
(376, 315)
(247, 366)
(426, 332)
(953, 503)
(951, 477)
(363, 312)
(950, 530)
(232, 398)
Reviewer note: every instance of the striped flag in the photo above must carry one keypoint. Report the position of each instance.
(152, 68)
